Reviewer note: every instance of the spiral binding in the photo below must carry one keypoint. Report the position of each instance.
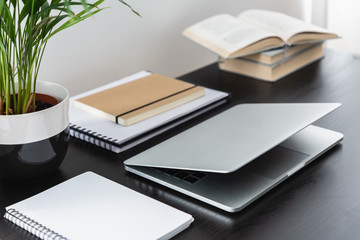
(114, 144)
(32, 226)
(94, 138)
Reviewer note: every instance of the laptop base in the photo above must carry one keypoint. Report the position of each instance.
(234, 191)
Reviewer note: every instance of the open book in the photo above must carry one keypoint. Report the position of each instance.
(253, 31)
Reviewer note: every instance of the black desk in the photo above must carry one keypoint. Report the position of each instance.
(319, 202)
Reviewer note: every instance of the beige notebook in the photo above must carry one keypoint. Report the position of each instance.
(140, 99)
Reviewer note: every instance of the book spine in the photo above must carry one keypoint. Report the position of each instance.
(32, 226)
(94, 138)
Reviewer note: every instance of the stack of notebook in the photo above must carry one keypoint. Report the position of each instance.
(275, 64)
(122, 114)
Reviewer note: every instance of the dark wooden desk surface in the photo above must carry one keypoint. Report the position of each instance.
(319, 202)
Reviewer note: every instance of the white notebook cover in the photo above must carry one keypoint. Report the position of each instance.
(89, 206)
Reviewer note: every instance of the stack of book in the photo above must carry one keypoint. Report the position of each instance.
(273, 65)
(129, 111)
(242, 42)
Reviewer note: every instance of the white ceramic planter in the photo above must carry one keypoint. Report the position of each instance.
(34, 144)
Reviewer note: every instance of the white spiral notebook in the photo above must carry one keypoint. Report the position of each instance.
(106, 134)
(89, 206)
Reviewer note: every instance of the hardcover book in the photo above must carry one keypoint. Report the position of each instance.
(253, 31)
(278, 55)
(277, 69)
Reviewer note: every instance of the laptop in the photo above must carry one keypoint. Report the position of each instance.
(233, 158)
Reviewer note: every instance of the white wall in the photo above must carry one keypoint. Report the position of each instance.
(319, 12)
(343, 18)
(116, 43)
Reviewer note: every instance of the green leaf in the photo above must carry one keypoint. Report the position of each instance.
(2, 4)
(7, 22)
(28, 6)
(45, 10)
(71, 22)
(85, 5)
(51, 25)
(67, 7)
(123, 2)
(54, 2)
(58, 6)
(40, 27)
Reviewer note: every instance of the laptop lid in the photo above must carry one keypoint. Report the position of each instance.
(233, 138)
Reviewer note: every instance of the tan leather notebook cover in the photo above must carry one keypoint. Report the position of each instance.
(140, 99)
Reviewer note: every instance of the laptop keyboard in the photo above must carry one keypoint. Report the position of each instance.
(183, 175)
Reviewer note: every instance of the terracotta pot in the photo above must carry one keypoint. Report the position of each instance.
(33, 145)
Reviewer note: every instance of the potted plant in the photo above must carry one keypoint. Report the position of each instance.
(34, 131)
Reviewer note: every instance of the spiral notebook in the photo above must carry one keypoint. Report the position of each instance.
(106, 134)
(89, 206)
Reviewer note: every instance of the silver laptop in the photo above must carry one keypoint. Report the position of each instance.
(232, 159)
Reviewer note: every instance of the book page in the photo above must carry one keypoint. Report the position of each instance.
(225, 34)
(280, 24)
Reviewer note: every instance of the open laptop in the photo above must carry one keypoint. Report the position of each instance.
(235, 157)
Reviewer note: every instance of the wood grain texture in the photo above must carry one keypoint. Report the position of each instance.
(319, 202)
